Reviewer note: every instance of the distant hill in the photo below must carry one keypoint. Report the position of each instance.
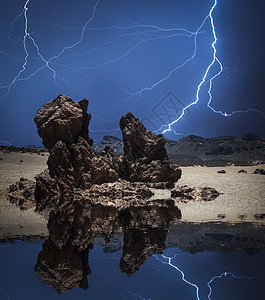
(196, 150)
(112, 141)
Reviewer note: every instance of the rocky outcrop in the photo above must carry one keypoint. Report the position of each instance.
(73, 163)
(186, 193)
(75, 170)
(145, 155)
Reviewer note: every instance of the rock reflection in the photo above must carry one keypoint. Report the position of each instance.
(63, 262)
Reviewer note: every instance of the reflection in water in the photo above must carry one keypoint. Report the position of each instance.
(141, 233)
(63, 262)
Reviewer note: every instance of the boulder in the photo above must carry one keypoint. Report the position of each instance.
(259, 171)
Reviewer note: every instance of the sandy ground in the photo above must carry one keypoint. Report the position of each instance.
(243, 195)
(13, 221)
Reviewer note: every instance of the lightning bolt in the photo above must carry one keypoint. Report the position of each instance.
(47, 63)
(215, 60)
(5, 142)
(168, 261)
(224, 274)
(5, 293)
(140, 34)
(131, 294)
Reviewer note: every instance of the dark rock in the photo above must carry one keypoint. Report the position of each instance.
(145, 155)
(259, 216)
(73, 163)
(186, 193)
(221, 171)
(242, 171)
(77, 173)
(259, 171)
(139, 142)
(63, 120)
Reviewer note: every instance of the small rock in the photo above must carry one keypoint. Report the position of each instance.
(259, 171)
(221, 171)
(221, 216)
(259, 216)
(242, 171)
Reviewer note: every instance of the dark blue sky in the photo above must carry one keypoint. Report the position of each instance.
(130, 45)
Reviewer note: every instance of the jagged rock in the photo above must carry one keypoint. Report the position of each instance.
(76, 172)
(139, 142)
(186, 193)
(145, 155)
(63, 120)
(259, 171)
(23, 193)
(73, 163)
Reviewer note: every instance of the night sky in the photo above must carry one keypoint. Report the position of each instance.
(126, 47)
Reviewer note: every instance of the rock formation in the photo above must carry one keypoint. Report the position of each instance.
(72, 164)
(145, 155)
(76, 171)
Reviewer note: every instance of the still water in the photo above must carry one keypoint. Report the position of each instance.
(137, 253)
